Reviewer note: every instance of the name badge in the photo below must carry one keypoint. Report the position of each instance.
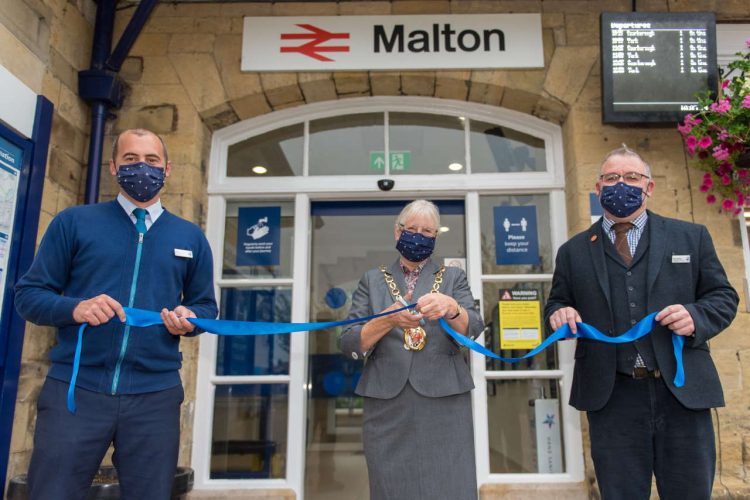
(680, 259)
(179, 252)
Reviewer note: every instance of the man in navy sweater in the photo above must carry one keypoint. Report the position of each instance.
(92, 261)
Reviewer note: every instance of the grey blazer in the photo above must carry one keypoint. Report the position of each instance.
(437, 370)
(700, 284)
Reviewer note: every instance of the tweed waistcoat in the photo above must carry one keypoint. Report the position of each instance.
(629, 301)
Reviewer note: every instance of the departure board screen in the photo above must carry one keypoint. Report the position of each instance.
(653, 64)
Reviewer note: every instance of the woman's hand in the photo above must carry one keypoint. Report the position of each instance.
(436, 306)
(403, 319)
(375, 329)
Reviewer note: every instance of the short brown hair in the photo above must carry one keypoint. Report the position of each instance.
(139, 132)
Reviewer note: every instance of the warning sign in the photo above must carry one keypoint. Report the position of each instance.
(520, 319)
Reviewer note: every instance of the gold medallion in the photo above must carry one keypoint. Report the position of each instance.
(415, 338)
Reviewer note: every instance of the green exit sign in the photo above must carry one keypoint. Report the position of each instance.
(400, 161)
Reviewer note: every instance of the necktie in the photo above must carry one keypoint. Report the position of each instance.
(623, 249)
(140, 219)
(621, 241)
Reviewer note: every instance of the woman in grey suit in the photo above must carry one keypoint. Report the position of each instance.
(418, 434)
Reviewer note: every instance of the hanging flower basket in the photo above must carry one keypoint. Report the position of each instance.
(718, 137)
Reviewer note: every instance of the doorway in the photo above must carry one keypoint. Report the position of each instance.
(347, 239)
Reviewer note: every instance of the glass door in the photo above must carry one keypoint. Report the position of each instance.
(349, 238)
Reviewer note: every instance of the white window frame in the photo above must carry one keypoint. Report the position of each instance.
(306, 189)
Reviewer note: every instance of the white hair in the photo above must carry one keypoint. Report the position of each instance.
(419, 207)
(626, 151)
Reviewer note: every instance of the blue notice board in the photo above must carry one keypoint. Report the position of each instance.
(596, 207)
(22, 164)
(258, 236)
(516, 236)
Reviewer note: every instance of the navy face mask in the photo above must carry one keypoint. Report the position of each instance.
(140, 180)
(415, 247)
(621, 199)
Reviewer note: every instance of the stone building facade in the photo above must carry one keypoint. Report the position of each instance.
(184, 82)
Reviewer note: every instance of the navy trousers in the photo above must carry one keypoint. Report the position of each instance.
(644, 430)
(68, 448)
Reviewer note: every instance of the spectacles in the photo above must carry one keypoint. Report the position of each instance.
(627, 178)
(424, 231)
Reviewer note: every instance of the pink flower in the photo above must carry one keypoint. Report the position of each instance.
(711, 199)
(722, 135)
(692, 120)
(725, 84)
(727, 204)
(721, 107)
(747, 42)
(742, 172)
(720, 153)
(685, 129)
(704, 142)
(746, 101)
(690, 143)
(724, 169)
(704, 188)
(737, 211)
(740, 199)
(725, 179)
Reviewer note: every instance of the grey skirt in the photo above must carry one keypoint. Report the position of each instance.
(420, 448)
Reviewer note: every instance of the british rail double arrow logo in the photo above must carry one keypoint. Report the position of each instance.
(314, 48)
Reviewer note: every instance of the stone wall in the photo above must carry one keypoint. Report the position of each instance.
(44, 43)
(184, 82)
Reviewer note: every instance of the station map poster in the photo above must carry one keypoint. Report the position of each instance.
(11, 158)
(516, 237)
(258, 236)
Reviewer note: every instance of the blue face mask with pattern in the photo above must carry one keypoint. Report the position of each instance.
(621, 199)
(415, 247)
(141, 181)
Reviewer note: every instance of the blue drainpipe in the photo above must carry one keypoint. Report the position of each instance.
(100, 85)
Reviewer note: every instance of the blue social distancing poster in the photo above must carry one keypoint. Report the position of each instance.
(516, 237)
(596, 207)
(258, 236)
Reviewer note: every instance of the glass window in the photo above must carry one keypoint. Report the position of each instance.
(489, 228)
(495, 148)
(254, 354)
(545, 360)
(277, 153)
(426, 144)
(235, 266)
(249, 431)
(347, 145)
(520, 412)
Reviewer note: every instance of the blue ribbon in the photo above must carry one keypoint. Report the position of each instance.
(585, 331)
(142, 318)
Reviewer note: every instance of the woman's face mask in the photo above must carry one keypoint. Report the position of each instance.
(415, 247)
(140, 181)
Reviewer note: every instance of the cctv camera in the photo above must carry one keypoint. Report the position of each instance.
(386, 184)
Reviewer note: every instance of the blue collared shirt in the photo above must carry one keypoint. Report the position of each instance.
(634, 234)
(153, 211)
